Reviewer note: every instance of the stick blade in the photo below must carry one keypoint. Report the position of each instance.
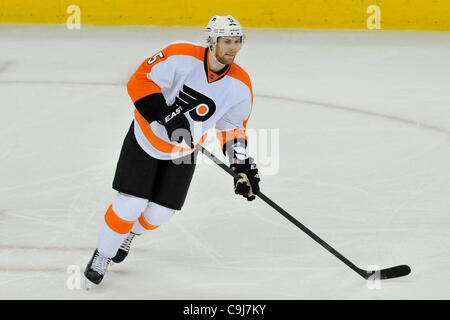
(395, 272)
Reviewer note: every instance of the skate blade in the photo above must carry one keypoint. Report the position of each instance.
(88, 285)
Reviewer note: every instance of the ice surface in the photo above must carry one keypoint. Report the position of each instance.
(363, 120)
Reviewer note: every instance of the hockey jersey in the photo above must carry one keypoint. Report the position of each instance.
(181, 71)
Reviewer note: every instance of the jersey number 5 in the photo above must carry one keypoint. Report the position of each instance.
(155, 57)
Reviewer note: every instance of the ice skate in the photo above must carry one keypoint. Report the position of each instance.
(124, 248)
(96, 268)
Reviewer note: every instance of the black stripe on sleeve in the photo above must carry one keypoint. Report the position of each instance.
(149, 106)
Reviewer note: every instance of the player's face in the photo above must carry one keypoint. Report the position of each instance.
(227, 49)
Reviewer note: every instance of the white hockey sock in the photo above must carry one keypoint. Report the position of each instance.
(109, 241)
(153, 216)
(118, 222)
(138, 228)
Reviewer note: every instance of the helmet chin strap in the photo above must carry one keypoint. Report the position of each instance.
(213, 51)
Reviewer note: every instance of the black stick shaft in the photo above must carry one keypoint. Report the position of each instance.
(288, 216)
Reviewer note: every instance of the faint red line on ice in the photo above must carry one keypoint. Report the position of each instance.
(354, 110)
(294, 100)
(81, 83)
(54, 248)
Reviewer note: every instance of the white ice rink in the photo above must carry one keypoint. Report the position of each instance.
(363, 120)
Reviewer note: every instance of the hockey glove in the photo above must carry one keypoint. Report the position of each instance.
(248, 183)
(176, 124)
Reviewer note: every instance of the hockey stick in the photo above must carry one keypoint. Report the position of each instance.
(388, 273)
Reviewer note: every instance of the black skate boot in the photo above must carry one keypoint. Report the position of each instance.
(96, 268)
(124, 248)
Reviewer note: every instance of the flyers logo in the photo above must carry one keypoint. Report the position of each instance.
(200, 107)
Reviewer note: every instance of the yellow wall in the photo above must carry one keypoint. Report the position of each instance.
(334, 14)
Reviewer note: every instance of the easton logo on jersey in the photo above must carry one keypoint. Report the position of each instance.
(200, 107)
(173, 114)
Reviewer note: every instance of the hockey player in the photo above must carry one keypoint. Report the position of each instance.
(179, 93)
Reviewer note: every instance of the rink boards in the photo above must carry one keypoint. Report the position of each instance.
(318, 14)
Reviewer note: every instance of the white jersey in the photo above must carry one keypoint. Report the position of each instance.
(181, 71)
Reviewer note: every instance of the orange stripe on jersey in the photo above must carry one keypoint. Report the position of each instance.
(117, 224)
(203, 138)
(228, 135)
(157, 142)
(145, 224)
(154, 140)
(186, 49)
(140, 86)
(238, 73)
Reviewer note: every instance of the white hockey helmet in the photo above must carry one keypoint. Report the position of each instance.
(223, 26)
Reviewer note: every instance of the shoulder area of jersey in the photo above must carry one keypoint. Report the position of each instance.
(184, 42)
(187, 48)
(238, 72)
(196, 50)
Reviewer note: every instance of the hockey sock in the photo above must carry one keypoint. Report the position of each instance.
(141, 225)
(118, 222)
(113, 232)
